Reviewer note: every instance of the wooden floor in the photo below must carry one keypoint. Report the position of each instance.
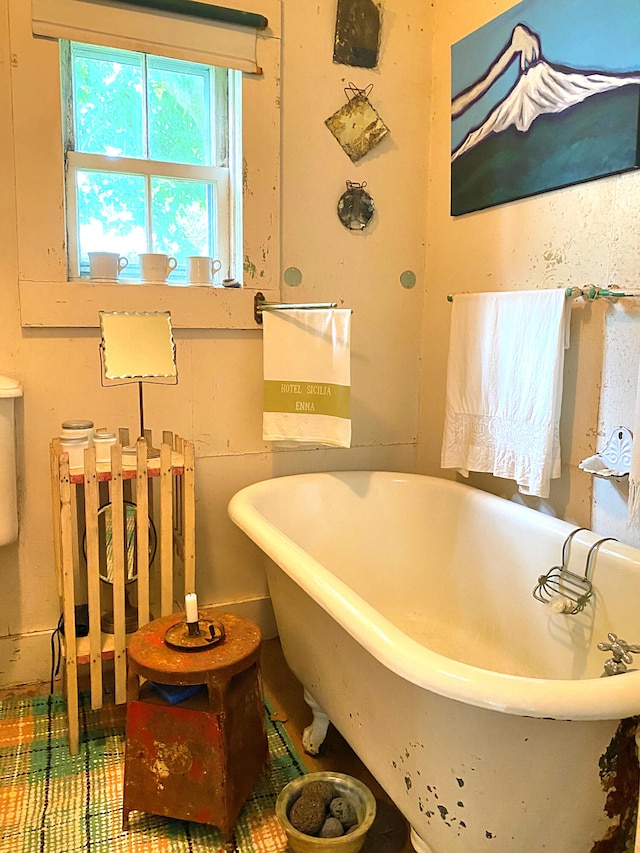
(389, 833)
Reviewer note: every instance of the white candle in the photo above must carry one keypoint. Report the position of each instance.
(191, 607)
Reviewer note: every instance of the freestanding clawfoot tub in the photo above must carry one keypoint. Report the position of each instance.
(404, 606)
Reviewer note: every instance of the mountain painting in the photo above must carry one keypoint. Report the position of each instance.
(544, 96)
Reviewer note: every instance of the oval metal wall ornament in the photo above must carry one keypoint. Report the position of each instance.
(355, 207)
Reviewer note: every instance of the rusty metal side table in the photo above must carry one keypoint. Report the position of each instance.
(197, 760)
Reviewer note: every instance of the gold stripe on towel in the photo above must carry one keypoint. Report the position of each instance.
(310, 398)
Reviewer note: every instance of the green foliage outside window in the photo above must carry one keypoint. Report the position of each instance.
(129, 105)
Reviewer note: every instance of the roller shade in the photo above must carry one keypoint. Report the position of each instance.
(190, 37)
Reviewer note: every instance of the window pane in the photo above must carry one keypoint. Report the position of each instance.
(181, 213)
(178, 132)
(108, 105)
(133, 105)
(111, 215)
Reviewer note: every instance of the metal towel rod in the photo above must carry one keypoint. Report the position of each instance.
(590, 293)
(260, 305)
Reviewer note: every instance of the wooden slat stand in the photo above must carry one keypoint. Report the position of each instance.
(162, 489)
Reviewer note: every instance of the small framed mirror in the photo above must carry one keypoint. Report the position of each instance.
(137, 346)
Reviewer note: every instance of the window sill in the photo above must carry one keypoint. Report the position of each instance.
(76, 304)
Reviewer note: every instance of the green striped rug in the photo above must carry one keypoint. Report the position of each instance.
(51, 802)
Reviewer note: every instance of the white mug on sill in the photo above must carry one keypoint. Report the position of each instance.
(155, 267)
(201, 270)
(105, 266)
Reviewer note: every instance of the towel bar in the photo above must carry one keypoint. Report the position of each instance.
(592, 292)
(589, 293)
(260, 305)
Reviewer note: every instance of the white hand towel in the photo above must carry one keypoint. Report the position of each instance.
(504, 386)
(307, 376)
(633, 513)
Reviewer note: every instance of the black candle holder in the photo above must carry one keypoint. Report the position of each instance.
(194, 636)
(193, 628)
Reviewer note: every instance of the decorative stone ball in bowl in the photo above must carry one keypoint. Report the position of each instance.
(326, 812)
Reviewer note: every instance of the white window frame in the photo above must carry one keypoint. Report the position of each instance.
(80, 161)
(218, 178)
(48, 298)
(226, 233)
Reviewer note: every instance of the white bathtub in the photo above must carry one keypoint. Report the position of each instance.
(404, 606)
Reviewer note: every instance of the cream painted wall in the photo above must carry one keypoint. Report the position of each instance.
(582, 235)
(218, 400)
(576, 236)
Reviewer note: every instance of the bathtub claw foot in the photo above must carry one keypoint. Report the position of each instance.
(315, 733)
(418, 843)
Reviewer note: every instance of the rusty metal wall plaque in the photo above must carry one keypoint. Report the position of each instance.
(357, 39)
(357, 126)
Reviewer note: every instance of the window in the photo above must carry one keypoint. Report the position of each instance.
(152, 159)
(40, 35)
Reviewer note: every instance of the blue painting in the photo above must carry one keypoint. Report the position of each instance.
(544, 96)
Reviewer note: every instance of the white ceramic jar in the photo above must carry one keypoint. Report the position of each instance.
(129, 455)
(77, 429)
(103, 442)
(75, 447)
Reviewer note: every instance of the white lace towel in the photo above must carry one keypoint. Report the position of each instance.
(307, 376)
(633, 516)
(504, 386)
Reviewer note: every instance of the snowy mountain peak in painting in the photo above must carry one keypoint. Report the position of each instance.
(542, 89)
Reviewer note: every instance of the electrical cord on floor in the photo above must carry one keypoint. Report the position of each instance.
(81, 618)
(56, 654)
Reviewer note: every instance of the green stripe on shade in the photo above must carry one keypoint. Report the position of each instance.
(204, 10)
(307, 398)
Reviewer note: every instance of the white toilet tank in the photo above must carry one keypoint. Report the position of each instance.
(9, 390)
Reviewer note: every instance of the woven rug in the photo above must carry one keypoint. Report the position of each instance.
(51, 802)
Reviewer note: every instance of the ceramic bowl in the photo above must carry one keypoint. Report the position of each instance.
(346, 786)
